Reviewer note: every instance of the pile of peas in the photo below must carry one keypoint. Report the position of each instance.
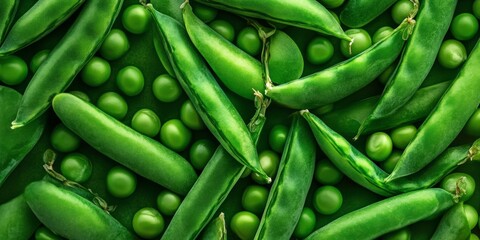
(132, 75)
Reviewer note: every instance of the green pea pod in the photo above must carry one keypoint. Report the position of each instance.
(216, 230)
(38, 21)
(17, 221)
(453, 225)
(14, 145)
(343, 79)
(348, 119)
(141, 154)
(290, 188)
(218, 178)
(308, 14)
(216, 110)
(8, 8)
(386, 215)
(357, 13)
(67, 58)
(70, 215)
(432, 23)
(445, 121)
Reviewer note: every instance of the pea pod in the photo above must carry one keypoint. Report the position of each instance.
(453, 225)
(8, 8)
(17, 221)
(214, 107)
(141, 154)
(67, 58)
(308, 14)
(290, 188)
(432, 23)
(386, 215)
(218, 178)
(445, 121)
(29, 28)
(343, 79)
(357, 13)
(70, 215)
(348, 119)
(216, 230)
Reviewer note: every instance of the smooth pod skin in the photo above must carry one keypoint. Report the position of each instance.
(68, 57)
(453, 225)
(38, 21)
(357, 13)
(8, 8)
(141, 154)
(216, 110)
(290, 188)
(347, 120)
(432, 23)
(70, 215)
(240, 72)
(17, 220)
(386, 215)
(445, 121)
(216, 230)
(342, 79)
(308, 14)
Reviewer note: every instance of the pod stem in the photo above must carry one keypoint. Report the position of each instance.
(474, 151)
(460, 188)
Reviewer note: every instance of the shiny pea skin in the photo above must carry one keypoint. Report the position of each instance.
(166, 89)
(64, 140)
(113, 104)
(130, 80)
(200, 153)
(148, 223)
(306, 223)
(175, 135)
(136, 19)
(269, 161)
(38, 59)
(254, 198)
(244, 224)
(147, 122)
(76, 167)
(121, 182)
(96, 72)
(190, 116)
(168, 202)
(115, 45)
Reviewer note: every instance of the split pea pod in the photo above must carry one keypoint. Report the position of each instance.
(445, 121)
(8, 8)
(68, 57)
(70, 215)
(216, 230)
(17, 221)
(216, 110)
(308, 14)
(141, 154)
(432, 23)
(344, 78)
(289, 190)
(453, 225)
(42, 18)
(386, 215)
(218, 178)
(358, 13)
(348, 119)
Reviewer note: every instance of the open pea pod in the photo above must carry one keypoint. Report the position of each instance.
(14, 144)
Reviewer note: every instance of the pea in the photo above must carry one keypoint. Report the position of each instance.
(401, 136)
(450, 182)
(148, 223)
(64, 140)
(38, 59)
(76, 167)
(452, 54)
(175, 135)
(326, 173)
(362, 41)
(200, 153)
(206, 13)
(379, 146)
(121, 182)
(327, 200)
(81, 95)
(464, 26)
(115, 45)
(401, 234)
(130, 80)
(146, 122)
(136, 19)
(166, 89)
(168, 202)
(385, 75)
(471, 214)
(381, 33)
(332, 3)
(96, 72)
(13, 70)
(254, 199)
(269, 161)
(319, 50)
(401, 9)
(277, 137)
(473, 125)
(190, 117)
(306, 223)
(474, 237)
(244, 224)
(249, 41)
(113, 104)
(43, 233)
(223, 28)
(476, 8)
(389, 164)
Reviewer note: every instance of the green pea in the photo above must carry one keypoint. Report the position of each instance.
(319, 50)
(175, 135)
(121, 182)
(147, 122)
(389, 164)
(166, 89)
(113, 104)
(471, 214)
(453, 180)
(130, 80)
(148, 223)
(244, 224)
(277, 137)
(452, 54)
(223, 28)
(381, 33)
(361, 41)
(385, 75)
(326, 173)
(43, 233)
(473, 125)
(474, 237)
(206, 13)
(190, 117)
(254, 199)
(401, 9)
(249, 41)
(306, 223)
(168, 202)
(13, 70)
(81, 95)
(64, 140)
(136, 19)
(401, 234)
(269, 161)
(476, 8)
(115, 45)
(200, 153)
(402, 136)
(379, 146)
(76, 167)
(327, 200)
(38, 59)
(464, 26)
(96, 72)
(332, 3)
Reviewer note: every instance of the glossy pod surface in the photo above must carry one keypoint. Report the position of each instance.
(357, 13)
(17, 220)
(8, 8)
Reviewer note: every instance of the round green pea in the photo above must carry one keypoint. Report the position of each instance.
(205, 13)
(277, 137)
(401, 234)
(249, 41)
(379, 146)
(326, 173)
(43, 233)
(459, 179)
(476, 8)
(361, 42)
(13, 70)
(115, 45)
(166, 89)
(113, 104)
(200, 153)
(327, 200)
(403, 135)
(38, 59)
(223, 28)
(269, 161)
(63, 139)
(389, 164)
(473, 125)
(146, 122)
(385, 75)
(81, 95)
(136, 19)
(452, 54)
(254, 199)
(464, 26)
(175, 135)
(245, 224)
(148, 223)
(168, 202)
(381, 33)
(190, 116)
(130, 80)
(473, 237)
(306, 223)
(401, 10)
(76, 167)
(96, 72)
(121, 182)
(319, 50)
(471, 214)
